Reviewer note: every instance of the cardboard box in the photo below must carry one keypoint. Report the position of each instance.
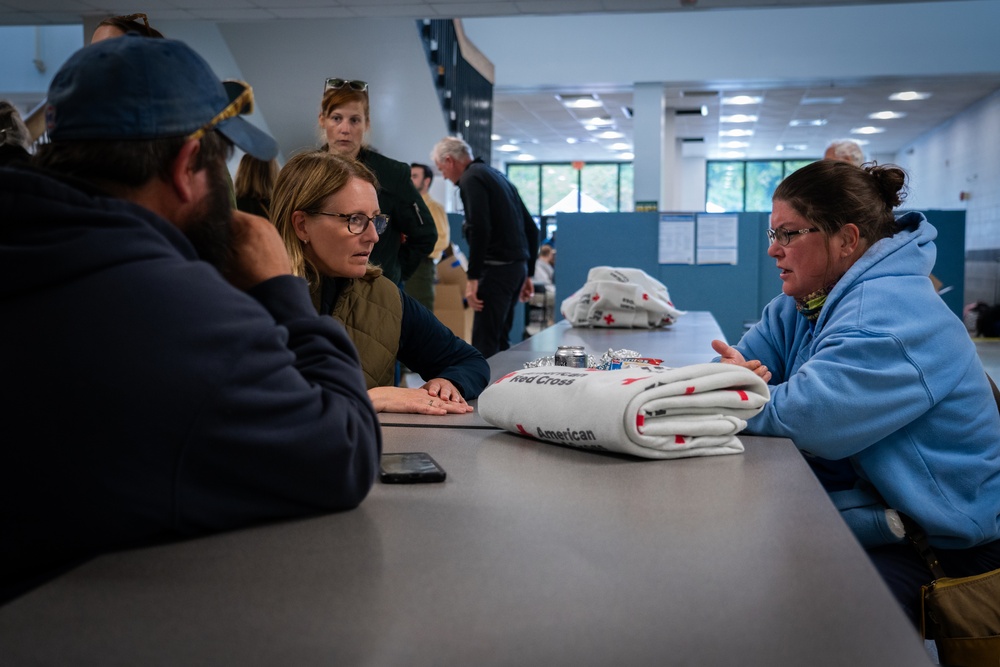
(449, 298)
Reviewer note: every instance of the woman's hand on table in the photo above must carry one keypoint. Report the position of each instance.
(445, 390)
(418, 400)
(730, 355)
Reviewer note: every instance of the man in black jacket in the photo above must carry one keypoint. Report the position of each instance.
(503, 243)
(147, 394)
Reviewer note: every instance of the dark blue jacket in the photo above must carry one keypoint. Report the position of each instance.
(145, 399)
(497, 225)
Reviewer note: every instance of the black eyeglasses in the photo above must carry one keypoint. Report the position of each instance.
(357, 223)
(337, 84)
(784, 237)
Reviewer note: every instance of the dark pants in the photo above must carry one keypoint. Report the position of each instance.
(421, 284)
(500, 291)
(904, 571)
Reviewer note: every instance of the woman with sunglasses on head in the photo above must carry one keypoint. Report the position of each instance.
(326, 209)
(872, 372)
(116, 26)
(344, 119)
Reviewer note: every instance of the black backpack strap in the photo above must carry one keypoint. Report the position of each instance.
(918, 538)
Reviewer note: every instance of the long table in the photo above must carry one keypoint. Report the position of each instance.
(687, 341)
(528, 554)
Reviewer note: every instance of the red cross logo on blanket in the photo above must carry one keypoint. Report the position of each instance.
(520, 429)
(628, 381)
(596, 297)
(511, 374)
(743, 394)
(609, 319)
(640, 421)
(645, 297)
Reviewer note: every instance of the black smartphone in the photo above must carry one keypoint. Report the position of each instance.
(410, 468)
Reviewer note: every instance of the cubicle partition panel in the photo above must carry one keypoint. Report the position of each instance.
(734, 293)
(950, 265)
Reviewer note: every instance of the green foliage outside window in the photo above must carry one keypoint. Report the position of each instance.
(626, 188)
(737, 185)
(525, 178)
(558, 181)
(762, 178)
(600, 183)
(725, 188)
(544, 185)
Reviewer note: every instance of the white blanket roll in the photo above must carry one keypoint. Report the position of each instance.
(620, 298)
(650, 412)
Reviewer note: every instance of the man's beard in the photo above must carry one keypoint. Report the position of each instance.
(208, 226)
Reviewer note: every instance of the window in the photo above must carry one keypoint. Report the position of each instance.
(551, 187)
(736, 185)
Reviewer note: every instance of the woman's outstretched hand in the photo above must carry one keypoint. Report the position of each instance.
(730, 355)
(416, 400)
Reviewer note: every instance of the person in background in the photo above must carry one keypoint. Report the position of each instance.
(867, 365)
(253, 184)
(15, 140)
(421, 284)
(116, 26)
(845, 150)
(503, 243)
(544, 283)
(545, 267)
(148, 394)
(326, 209)
(344, 119)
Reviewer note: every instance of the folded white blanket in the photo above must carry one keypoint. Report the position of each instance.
(620, 298)
(650, 412)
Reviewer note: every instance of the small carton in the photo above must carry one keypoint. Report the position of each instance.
(449, 298)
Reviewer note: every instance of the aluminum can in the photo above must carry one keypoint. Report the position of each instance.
(572, 356)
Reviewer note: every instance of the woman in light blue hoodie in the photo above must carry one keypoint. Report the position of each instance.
(872, 374)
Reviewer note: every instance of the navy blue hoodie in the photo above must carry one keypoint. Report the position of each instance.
(145, 399)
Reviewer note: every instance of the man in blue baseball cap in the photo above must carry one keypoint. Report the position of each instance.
(164, 374)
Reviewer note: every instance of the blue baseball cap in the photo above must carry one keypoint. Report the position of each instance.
(134, 87)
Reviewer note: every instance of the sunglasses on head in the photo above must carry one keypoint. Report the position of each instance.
(337, 84)
(241, 104)
(134, 18)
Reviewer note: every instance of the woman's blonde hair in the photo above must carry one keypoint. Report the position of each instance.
(302, 184)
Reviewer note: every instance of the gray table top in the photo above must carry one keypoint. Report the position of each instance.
(688, 341)
(528, 554)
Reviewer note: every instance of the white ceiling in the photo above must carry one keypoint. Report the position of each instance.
(34, 12)
(541, 125)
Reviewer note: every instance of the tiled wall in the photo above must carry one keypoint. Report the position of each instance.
(963, 156)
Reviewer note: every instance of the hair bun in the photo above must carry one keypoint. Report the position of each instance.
(891, 183)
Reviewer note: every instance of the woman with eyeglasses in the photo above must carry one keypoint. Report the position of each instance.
(874, 378)
(327, 212)
(344, 119)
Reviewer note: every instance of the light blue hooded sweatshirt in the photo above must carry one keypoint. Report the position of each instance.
(888, 377)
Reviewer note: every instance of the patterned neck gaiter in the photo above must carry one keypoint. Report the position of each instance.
(811, 304)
